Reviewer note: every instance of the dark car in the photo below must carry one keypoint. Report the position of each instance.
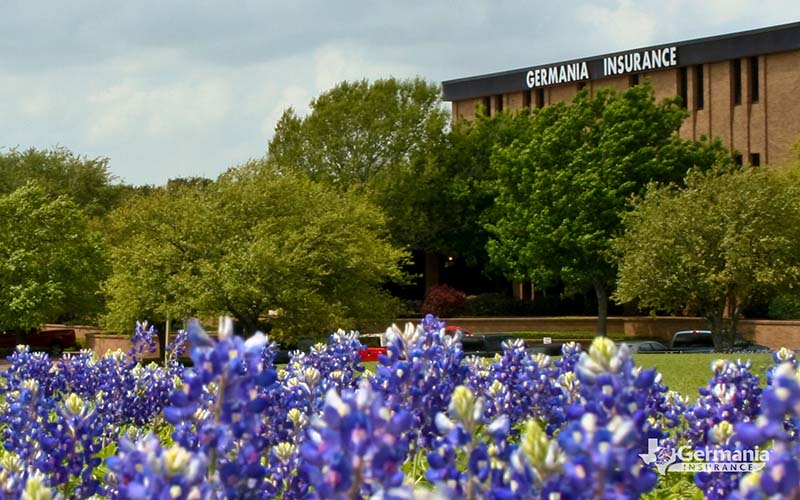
(645, 346)
(692, 341)
(483, 345)
(549, 349)
(54, 342)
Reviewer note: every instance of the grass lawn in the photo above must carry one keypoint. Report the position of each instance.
(686, 373)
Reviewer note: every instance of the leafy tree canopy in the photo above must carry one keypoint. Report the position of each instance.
(713, 245)
(465, 183)
(50, 263)
(250, 243)
(562, 190)
(60, 172)
(378, 138)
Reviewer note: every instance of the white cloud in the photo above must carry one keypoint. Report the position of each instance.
(130, 108)
(626, 24)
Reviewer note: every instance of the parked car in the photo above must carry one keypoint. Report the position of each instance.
(451, 330)
(52, 341)
(645, 346)
(374, 346)
(692, 341)
(484, 345)
(549, 349)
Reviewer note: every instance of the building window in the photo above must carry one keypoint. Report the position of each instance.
(499, 101)
(526, 99)
(633, 80)
(755, 159)
(683, 91)
(540, 97)
(736, 73)
(699, 90)
(581, 86)
(487, 106)
(754, 79)
(737, 160)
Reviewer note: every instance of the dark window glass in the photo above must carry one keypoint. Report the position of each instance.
(736, 70)
(737, 159)
(699, 89)
(540, 98)
(755, 159)
(526, 99)
(581, 86)
(499, 103)
(754, 79)
(633, 80)
(487, 106)
(683, 88)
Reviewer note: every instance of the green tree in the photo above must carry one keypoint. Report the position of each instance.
(562, 190)
(50, 263)
(713, 245)
(61, 173)
(251, 243)
(377, 138)
(465, 183)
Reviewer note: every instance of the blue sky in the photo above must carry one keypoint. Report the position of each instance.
(190, 88)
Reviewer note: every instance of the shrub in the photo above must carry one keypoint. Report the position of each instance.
(785, 306)
(443, 301)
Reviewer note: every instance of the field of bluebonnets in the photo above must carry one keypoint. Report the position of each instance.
(428, 423)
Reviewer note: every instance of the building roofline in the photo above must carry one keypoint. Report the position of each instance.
(695, 51)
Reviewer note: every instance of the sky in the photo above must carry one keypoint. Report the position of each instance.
(190, 88)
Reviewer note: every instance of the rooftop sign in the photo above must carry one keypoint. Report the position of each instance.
(688, 53)
(620, 64)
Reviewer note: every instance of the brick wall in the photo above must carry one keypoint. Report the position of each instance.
(770, 333)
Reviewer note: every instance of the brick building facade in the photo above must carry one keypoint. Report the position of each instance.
(743, 88)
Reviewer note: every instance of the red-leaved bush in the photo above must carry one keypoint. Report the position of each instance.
(443, 301)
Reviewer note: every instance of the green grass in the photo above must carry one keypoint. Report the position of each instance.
(686, 373)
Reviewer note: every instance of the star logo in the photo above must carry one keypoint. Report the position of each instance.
(659, 456)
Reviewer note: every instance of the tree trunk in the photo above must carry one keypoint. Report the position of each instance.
(717, 330)
(602, 308)
(432, 267)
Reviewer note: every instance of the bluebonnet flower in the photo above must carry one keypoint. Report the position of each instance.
(142, 341)
(355, 448)
(609, 426)
(219, 411)
(176, 349)
(777, 422)
(419, 373)
(146, 470)
(58, 438)
(484, 443)
(730, 398)
(523, 387)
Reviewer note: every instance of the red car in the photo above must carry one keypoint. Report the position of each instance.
(52, 341)
(373, 346)
(451, 330)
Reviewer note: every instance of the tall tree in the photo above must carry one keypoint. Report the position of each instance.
(60, 172)
(377, 138)
(250, 243)
(713, 245)
(561, 192)
(50, 263)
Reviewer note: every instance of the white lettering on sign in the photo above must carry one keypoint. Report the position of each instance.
(630, 62)
(645, 60)
(563, 73)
